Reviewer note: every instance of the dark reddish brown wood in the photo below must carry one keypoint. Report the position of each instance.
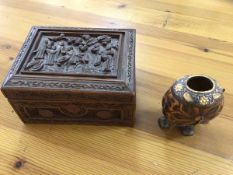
(74, 75)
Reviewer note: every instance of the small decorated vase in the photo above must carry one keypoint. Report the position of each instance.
(191, 100)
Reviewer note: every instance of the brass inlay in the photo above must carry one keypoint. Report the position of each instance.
(204, 100)
(178, 87)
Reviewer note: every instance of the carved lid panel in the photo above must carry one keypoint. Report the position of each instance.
(83, 54)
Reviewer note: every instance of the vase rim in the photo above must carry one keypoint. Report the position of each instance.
(213, 84)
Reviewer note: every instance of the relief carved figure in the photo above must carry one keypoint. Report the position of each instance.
(36, 63)
(92, 54)
(51, 52)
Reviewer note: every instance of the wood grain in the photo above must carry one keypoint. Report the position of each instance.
(174, 38)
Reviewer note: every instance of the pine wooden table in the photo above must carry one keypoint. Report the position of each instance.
(174, 38)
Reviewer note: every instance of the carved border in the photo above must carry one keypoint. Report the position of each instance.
(68, 85)
(130, 56)
(130, 74)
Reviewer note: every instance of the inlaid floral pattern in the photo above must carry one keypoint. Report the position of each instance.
(178, 87)
(204, 100)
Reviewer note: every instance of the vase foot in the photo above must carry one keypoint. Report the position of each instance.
(163, 122)
(187, 130)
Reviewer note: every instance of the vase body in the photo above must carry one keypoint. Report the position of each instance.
(191, 100)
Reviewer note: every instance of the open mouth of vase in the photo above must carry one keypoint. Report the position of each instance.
(200, 83)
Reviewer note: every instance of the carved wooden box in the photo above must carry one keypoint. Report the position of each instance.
(74, 75)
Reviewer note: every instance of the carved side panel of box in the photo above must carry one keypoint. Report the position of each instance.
(74, 112)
